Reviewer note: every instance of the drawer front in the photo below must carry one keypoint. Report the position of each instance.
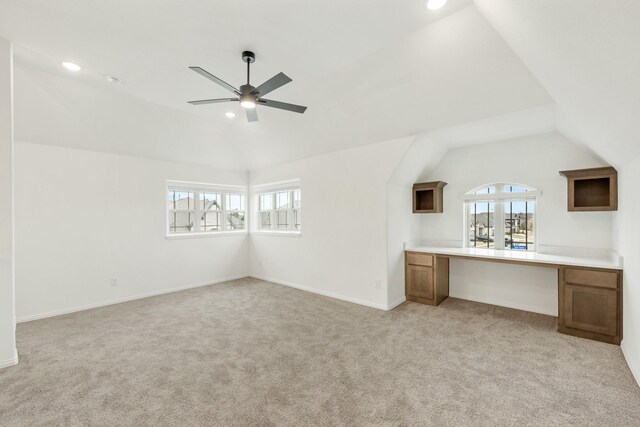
(591, 309)
(603, 279)
(416, 258)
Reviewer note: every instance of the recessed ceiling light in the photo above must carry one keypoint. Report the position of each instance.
(230, 114)
(435, 4)
(71, 66)
(112, 79)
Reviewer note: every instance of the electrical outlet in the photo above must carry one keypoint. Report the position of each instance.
(377, 284)
(114, 281)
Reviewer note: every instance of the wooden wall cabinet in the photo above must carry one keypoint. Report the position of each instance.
(426, 278)
(427, 197)
(590, 303)
(593, 189)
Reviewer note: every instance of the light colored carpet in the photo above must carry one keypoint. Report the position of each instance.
(250, 352)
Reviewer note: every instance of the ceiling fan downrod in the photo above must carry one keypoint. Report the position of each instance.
(248, 57)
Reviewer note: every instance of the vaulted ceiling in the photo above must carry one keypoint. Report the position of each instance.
(586, 53)
(369, 71)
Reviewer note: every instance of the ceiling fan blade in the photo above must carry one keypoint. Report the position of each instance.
(282, 105)
(213, 78)
(212, 101)
(272, 84)
(252, 114)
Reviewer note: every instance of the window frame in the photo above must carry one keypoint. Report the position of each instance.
(198, 188)
(273, 189)
(500, 198)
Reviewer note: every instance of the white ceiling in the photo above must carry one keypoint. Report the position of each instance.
(586, 53)
(369, 71)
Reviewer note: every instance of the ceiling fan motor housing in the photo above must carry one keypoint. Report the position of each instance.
(246, 89)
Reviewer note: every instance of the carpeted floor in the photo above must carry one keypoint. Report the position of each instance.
(250, 352)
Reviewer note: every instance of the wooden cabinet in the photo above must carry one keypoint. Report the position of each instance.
(427, 197)
(426, 278)
(420, 282)
(594, 189)
(590, 303)
(589, 299)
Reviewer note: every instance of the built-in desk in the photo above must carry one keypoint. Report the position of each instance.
(589, 288)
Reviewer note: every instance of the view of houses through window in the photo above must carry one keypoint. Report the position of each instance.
(279, 210)
(502, 216)
(201, 210)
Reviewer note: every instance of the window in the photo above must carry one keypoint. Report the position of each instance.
(279, 209)
(204, 208)
(501, 216)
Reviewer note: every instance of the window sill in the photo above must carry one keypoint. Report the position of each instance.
(277, 233)
(201, 235)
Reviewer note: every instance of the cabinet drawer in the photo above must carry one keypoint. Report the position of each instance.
(416, 258)
(604, 279)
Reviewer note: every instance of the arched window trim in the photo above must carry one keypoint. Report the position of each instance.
(531, 193)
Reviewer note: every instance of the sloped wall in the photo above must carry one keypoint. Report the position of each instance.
(585, 54)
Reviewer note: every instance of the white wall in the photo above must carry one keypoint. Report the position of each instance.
(8, 355)
(84, 217)
(534, 161)
(626, 244)
(342, 249)
(402, 226)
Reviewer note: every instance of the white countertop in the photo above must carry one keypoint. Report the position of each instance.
(612, 262)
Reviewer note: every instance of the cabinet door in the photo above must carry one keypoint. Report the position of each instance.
(420, 281)
(590, 309)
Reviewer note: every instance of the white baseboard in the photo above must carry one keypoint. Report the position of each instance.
(69, 310)
(635, 370)
(508, 304)
(329, 294)
(397, 303)
(10, 362)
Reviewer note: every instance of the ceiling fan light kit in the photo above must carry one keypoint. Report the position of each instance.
(247, 102)
(248, 95)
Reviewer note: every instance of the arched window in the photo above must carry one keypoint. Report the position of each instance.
(501, 216)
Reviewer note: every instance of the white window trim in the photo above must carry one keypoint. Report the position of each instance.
(277, 233)
(495, 197)
(199, 187)
(499, 198)
(205, 234)
(274, 187)
(291, 184)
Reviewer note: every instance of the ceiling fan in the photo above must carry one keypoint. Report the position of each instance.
(250, 96)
